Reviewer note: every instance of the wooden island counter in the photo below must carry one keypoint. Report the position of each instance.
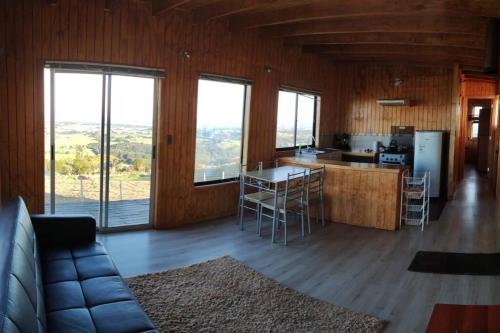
(361, 194)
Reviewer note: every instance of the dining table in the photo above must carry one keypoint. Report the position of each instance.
(271, 179)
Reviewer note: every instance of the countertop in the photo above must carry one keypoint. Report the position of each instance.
(318, 162)
(359, 153)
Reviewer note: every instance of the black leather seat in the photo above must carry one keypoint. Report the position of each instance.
(54, 277)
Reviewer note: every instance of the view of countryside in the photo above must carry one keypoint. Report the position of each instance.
(78, 173)
(219, 131)
(77, 165)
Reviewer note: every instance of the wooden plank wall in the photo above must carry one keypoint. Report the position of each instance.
(75, 30)
(357, 87)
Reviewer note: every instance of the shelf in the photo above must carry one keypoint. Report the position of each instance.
(415, 221)
(416, 208)
(415, 181)
(415, 200)
(413, 193)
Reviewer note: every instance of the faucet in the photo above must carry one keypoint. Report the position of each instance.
(309, 148)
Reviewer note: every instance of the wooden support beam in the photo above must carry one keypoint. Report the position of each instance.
(160, 7)
(397, 38)
(383, 24)
(341, 8)
(219, 9)
(379, 49)
(407, 59)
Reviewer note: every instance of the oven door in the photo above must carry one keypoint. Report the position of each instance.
(390, 163)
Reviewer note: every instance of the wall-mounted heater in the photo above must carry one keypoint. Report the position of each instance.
(393, 102)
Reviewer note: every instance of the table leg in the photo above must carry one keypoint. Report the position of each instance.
(242, 186)
(273, 238)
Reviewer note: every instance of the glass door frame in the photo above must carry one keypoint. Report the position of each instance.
(102, 222)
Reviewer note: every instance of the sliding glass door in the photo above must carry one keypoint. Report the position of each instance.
(100, 146)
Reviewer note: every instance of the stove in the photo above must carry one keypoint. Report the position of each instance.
(400, 150)
(394, 158)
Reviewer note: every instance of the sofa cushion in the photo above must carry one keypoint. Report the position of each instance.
(84, 290)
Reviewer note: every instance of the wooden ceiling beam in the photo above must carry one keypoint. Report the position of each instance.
(160, 7)
(383, 24)
(379, 49)
(404, 59)
(225, 8)
(396, 38)
(340, 8)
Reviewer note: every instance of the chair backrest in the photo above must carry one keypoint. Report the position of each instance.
(315, 181)
(268, 164)
(294, 189)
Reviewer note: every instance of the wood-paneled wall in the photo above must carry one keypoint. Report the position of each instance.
(473, 86)
(357, 87)
(32, 32)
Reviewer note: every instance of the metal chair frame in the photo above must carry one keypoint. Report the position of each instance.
(314, 195)
(256, 185)
(289, 200)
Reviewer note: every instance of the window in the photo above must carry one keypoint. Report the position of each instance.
(476, 111)
(296, 119)
(219, 129)
(475, 129)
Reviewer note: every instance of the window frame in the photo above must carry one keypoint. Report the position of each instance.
(297, 92)
(247, 84)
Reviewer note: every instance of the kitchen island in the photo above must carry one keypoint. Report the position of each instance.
(361, 194)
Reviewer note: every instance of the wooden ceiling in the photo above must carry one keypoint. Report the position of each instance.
(401, 31)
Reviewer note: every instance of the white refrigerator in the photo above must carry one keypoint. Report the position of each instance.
(429, 157)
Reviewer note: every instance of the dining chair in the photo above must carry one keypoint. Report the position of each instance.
(252, 191)
(291, 200)
(314, 195)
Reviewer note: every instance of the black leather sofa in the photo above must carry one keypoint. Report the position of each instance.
(55, 277)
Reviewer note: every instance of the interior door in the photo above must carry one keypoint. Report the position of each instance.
(100, 149)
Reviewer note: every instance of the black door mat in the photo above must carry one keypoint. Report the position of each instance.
(456, 263)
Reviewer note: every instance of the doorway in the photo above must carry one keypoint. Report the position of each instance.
(478, 134)
(100, 147)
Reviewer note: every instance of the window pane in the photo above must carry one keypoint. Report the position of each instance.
(305, 120)
(219, 130)
(285, 130)
(477, 111)
(475, 128)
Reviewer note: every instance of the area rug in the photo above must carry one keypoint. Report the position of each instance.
(224, 295)
(456, 263)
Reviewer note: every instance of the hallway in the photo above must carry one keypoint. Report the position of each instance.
(361, 269)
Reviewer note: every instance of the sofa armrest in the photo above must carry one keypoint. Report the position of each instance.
(64, 230)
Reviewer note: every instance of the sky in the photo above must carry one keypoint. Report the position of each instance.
(78, 98)
(220, 104)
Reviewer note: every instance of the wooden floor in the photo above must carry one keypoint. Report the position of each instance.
(361, 269)
(121, 213)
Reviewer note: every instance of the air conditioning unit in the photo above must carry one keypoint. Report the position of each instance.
(394, 102)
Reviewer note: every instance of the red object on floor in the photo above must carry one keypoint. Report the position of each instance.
(464, 319)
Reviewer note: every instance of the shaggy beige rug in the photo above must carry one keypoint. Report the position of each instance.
(223, 295)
